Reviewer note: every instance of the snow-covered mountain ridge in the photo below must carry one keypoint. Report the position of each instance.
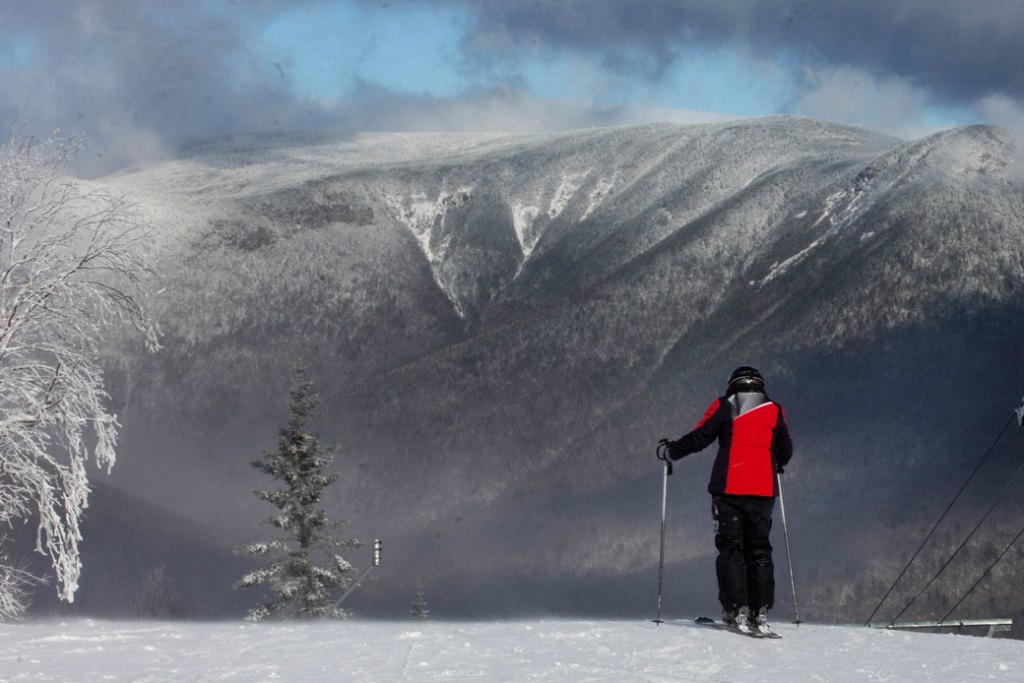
(511, 322)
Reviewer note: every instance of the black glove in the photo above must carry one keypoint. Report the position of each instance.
(668, 449)
(779, 469)
(663, 450)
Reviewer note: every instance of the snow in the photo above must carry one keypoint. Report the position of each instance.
(523, 218)
(838, 218)
(598, 194)
(566, 189)
(418, 213)
(422, 216)
(499, 651)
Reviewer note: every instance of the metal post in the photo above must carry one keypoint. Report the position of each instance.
(789, 554)
(661, 553)
(375, 563)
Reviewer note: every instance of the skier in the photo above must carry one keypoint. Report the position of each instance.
(753, 444)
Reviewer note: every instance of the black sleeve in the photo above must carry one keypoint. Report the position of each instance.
(782, 443)
(704, 433)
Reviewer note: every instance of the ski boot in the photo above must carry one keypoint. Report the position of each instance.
(742, 622)
(761, 623)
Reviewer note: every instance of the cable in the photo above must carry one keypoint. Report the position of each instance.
(982, 577)
(956, 552)
(942, 517)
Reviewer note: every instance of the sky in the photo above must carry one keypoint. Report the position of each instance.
(141, 77)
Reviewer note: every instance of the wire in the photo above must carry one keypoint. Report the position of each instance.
(956, 552)
(982, 577)
(936, 526)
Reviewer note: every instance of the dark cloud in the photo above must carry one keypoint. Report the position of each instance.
(958, 51)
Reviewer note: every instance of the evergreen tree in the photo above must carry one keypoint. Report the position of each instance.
(305, 570)
(157, 599)
(419, 603)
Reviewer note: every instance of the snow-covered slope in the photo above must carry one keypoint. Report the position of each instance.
(86, 651)
(502, 327)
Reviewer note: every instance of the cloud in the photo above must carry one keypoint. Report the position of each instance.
(498, 109)
(1007, 113)
(856, 97)
(1001, 110)
(957, 51)
(141, 76)
(137, 77)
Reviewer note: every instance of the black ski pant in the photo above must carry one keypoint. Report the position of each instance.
(746, 574)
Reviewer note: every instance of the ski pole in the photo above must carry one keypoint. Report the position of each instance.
(664, 506)
(789, 554)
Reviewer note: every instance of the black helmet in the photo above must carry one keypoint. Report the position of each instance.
(745, 378)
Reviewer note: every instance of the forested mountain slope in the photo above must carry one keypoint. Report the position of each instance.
(502, 327)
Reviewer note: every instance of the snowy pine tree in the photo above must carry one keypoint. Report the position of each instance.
(305, 569)
(419, 603)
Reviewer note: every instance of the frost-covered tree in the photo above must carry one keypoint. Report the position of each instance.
(306, 572)
(72, 264)
(157, 599)
(14, 585)
(419, 608)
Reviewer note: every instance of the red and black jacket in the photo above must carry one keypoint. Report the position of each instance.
(753, 440)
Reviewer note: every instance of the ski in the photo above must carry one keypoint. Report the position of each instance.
(708, 622)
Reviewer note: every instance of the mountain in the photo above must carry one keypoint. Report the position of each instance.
(502, 327)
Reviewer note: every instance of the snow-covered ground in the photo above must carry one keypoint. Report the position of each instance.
(84, 650)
